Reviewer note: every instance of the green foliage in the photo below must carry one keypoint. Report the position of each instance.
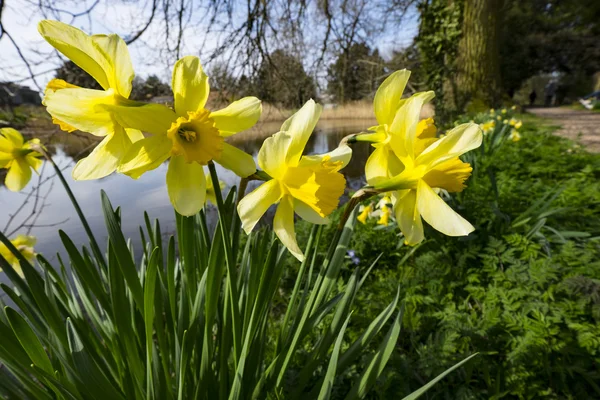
(522, 290)
(202, 318)
(282, 80)
(355, 74)
(439, 35)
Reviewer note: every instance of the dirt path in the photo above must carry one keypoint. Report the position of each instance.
(582, 126)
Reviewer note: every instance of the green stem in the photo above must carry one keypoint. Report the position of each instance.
(93, 243)
(231, 271)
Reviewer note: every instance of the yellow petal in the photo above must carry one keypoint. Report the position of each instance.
(408, 217)
(283, 225)
(104, 159)
(18, 175)
(252, 207)
(450, 175)
(34, 162)
(341, 154)
(458, 141)
(389, 96)
(152, 118)
(186, 185)
(382, 164)
(134, 135)
(80, 108)
(299, 128)
(271, 156)
(120, 70)
(6, 159)
(78, 47)
(440, 215)
(10, 139)
(190, 85)
(236, 160)
(145, 155)
(211, 195)
(404, 126)
(238, 116)
(308, 214)
(426, 128)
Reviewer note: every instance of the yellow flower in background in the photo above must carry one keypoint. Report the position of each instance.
(191, 136)
(505, 122)
(384, 217)
(492, 111)
(515, 136)
(106, 59)
(504, 111)
(488, 126)
(310, 186)
(513, 108)
(211, 194)
(25, 246)
(518, 124)
(437, 167)
(365, 212)
(499, 118)
(512, 122)
(17, 156)
(384, 162)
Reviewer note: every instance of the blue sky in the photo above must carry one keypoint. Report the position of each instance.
(20, 19)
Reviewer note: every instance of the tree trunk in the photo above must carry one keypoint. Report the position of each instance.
(478, 68)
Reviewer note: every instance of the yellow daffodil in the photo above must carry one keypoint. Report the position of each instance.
(437, 167)
(25, 246)
(365, 212)
(518, 124)
(499, 118)
(513, 108)
(504, 111)
(515, 136)
(17, 156)
(384, 217)
(383, 162)
(106, 59)
(309, 185)
(488, 126)
(492, 111)
(512, 122)
(190, 136)
(505, 122)
(211, 195)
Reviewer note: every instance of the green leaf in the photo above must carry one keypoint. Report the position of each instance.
(325, 392)
(28, 339)
(377, 361)
(417, 393)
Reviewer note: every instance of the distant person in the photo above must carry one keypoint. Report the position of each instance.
(549, 93)
(532, 97)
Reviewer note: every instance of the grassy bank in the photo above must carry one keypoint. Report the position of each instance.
(522, 290)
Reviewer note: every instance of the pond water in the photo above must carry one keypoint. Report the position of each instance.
(53, 210)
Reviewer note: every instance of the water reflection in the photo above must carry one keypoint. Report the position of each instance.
(145, 194)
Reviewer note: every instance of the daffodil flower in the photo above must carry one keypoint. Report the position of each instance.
(17, 156)
(106, 59)
(25, 245)
(504, 111)
(488, 126)
(365, 212)
(518, 124)
(308, 185)
(384, 162)
(384, 217)
(414, 180)
(515, 136)
(190, 136)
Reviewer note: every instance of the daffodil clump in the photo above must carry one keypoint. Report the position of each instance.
(413, 165)
(504, 124)
(18, 157)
